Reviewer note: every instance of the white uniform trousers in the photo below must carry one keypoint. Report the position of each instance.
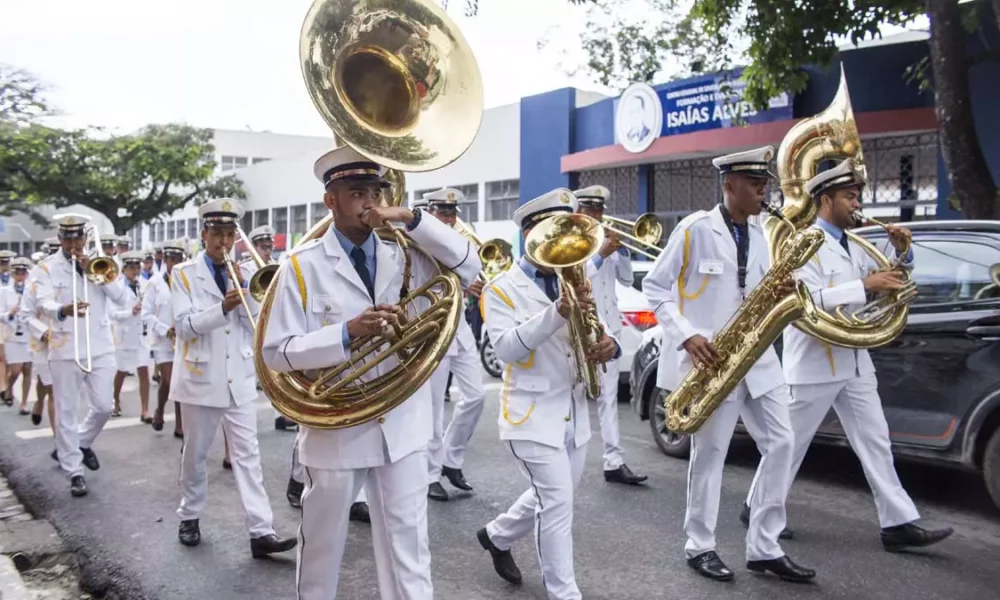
(447, 446)
(398, 508)
(240, 425)
(859, 410)
(68, 381)
(546, 508)
(299, 472)
(766, 419)
(607, 412)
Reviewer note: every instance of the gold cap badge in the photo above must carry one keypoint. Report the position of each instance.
(227, 205)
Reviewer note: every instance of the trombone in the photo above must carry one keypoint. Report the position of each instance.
(496, 254)
(100, 270)
(259, 281)
(646, 231)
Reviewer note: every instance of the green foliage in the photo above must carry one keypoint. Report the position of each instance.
(21, 99)
(130, 179)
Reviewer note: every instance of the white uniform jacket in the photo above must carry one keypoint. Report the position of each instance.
(834, 279)
(693, 288)
(55, 280)
(616, 267)
(318, 292)
(37, 327)
(214, 357)
(16, 323)
(158, 313)
(540, 391)
(126, 327)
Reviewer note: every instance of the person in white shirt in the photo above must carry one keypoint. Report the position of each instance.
(15, 324)
(544, 418)
(56, 277)
(712, 261)
(130, 350)
(158, 315)
(215, 378)
(5, 278)
(446, 449)
(823, 376)
(610, 266)
(331, 291)
(38, 343)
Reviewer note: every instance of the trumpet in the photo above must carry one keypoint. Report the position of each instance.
(496, 254)
(565, 243)
(884, 303)
(646, 232)
(100, 270)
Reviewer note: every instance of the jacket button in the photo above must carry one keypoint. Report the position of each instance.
(327, 307)
(381, 420)
(227, 331)
(230, 381)
(567, 418)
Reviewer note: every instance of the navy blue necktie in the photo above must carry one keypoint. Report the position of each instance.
(551, 286)
(843, 242)
(358, 258)
(219, 279)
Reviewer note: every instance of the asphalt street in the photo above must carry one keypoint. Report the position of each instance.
(628, 541)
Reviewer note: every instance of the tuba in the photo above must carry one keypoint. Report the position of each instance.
(833, 134)
(384, 77)
(565, 243)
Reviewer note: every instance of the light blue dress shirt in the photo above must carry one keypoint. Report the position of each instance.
(368, 247)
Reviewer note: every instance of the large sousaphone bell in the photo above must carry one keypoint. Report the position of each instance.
(398, 82)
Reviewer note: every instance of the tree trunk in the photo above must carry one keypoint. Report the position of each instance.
(971, 181)
(996, 12)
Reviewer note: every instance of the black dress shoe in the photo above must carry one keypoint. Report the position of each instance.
(227, 464)
(911, 535)
(90, 459)
(179, 435)
(359, 512)
(786, 533)
(782, 567)
(270, 544)
(55, 455)
(282, 423)
(78, 486)
(708, 564)
(623, 474)
(456, 478)
(294, 493)
(503, 560)
(189, 533)
(36, 419)
(436, 491)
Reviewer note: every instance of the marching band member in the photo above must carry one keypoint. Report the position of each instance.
(6, 256)
(544, 417)
(39, 344)
(158, 315)
(52, 245)
(128, 329)
(159, 268)
(823, 376)
(611, 264)
(55, 297)
(15, 320)
(147, 265)
(350, 282)
(214, 377)
(5, 395)
(712, 260)
(446, 453)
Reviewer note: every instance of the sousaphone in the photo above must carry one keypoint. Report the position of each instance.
(397, 82)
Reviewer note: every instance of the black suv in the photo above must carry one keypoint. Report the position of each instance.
(939, 380)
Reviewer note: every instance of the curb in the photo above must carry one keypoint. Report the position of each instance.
(11, 585)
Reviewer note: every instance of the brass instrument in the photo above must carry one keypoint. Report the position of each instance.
(646, 231)
(236, 278)
(565, 243)
(384, 77)
(882, 303)
(263, 276)
(831, 134)
(496, 254)
(100, 270)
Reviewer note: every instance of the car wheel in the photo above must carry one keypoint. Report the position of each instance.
(991, 466)
(489, 359)
(673, 444)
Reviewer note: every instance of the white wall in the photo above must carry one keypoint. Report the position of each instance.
(264, 144)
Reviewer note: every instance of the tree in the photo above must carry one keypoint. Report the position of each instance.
(130, 179)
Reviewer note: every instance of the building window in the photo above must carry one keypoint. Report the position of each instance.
(280, 220)
(470, 208)
(318, 210)
(233, 162)
(417, 195)
(260, 217)
(38, 246)
(170, 230)
(501, 199)
(193, 228)
(299, 221)
(247, 222)
(259, 159)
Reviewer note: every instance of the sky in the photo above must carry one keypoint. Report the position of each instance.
(233, 64)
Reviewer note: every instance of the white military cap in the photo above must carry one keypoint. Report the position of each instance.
(38, 256)
(71, 225)
(132, 257)
(52, 241)
(753, 163)
(6, 255)
(557, 201)
(221, 211)
(123, 240)
(22, 263)
(595, 196)
(845, 174)
(419, 202)
(148, 253)
(175, 247)
(346, 164)
(445, 198)
(264, 231)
